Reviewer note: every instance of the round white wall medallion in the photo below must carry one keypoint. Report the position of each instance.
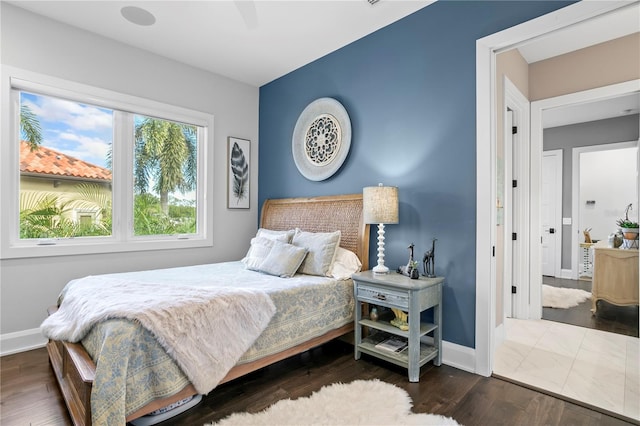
(321, 139)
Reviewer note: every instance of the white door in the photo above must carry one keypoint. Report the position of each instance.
(551, 211)
(508, 277)
(516, 217)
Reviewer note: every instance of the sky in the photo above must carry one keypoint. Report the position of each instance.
(78, 130)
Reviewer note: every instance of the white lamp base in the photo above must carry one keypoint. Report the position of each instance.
(380, 268)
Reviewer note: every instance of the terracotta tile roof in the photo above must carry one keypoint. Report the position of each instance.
(48, 161)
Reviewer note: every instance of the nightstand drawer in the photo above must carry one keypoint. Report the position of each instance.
(376, 294)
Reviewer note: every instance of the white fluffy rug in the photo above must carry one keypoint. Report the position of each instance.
(362, 402)
(558, 297)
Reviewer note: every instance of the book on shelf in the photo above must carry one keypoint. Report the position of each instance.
(393, 344)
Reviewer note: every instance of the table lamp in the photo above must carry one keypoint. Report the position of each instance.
(380, 205)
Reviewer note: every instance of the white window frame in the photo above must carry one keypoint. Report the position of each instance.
(122, 238)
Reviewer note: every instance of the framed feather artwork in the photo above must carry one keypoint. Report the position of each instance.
(238, 166)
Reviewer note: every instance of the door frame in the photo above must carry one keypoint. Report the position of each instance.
(486, 50)
(558, 154)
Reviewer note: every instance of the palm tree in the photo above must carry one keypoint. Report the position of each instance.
(165, 155)
(46, 215)
(30, 127)
(43, 215)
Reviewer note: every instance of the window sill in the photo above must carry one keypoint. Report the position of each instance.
(54, 247)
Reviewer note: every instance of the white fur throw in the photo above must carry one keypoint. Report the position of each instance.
(204, 329)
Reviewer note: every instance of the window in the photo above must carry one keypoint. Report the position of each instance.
(65, 168)
(165, 170)
(89, 170)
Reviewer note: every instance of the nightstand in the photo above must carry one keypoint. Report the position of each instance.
(413, 296)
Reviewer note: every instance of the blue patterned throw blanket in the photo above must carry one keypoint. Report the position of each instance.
(205, 330)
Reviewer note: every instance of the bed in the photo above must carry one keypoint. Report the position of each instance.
(75, 369)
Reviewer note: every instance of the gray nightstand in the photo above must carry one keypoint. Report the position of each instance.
(394, 290)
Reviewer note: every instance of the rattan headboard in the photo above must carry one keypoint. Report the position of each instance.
(322, 214)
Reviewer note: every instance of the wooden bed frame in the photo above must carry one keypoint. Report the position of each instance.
(75, 370)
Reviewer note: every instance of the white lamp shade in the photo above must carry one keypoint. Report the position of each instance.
(380, 204)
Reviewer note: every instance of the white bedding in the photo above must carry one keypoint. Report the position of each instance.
(189, 321)
(132, 369)
(307, 306)
(226, 274)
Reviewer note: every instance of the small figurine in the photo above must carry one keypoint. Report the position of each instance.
(373, 315)
(411, 268)
(401, 320)
(429, 261)
(618, 239)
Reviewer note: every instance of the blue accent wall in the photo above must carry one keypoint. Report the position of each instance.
(410, 92)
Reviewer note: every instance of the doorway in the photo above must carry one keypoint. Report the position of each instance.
(574, 139)
(552, 355)
(486, 195)
(486, 272)
(602, 176)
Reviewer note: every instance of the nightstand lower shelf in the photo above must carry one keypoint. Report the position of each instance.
(368, 346)
(385, 326)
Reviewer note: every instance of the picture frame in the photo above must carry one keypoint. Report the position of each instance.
(238, 173)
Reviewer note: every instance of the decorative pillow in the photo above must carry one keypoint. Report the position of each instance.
(283, 260)
(259, 250)
(283, 236)
(256, 254)
(322, 248)
(345, 264)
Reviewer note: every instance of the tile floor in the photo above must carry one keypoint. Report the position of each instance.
(593, 366)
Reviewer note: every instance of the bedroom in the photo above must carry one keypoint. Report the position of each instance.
(441, 91)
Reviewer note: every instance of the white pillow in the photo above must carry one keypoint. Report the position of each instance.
(345, 264)
(283, 260)
(283, 236)
(322, 247)
(255, 255)
(259, 250)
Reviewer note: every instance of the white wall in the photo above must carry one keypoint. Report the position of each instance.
(38, 44)
(608, 178)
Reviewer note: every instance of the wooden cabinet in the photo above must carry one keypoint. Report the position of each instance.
(412, 296)
(615, 276)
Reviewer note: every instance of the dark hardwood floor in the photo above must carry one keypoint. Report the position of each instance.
(29, 395)
(609, 317)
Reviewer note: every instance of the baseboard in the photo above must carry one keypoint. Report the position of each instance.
(567, 274)
(21, 341)
(457, 356)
